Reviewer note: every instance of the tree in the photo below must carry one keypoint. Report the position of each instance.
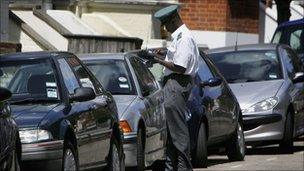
(283, 10)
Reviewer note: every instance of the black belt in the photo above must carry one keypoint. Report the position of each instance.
(182, 79)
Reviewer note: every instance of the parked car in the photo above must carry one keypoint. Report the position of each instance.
(292, 34)
(65, 117)
(215, 117)
(140, 105)
(268, 82)
(10, 146)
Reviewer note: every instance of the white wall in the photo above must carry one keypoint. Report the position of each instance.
(215, 39)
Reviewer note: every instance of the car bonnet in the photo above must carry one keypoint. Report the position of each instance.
(251, 93)
(28, 116)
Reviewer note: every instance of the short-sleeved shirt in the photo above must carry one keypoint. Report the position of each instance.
(183, 51)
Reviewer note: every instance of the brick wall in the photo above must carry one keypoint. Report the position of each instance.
(221, 15)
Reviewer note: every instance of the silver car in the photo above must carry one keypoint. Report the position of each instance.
(139, 101)
(268, 83)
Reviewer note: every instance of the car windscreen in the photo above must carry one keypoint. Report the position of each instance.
(248, 66)
(113, 75)
(29, 80)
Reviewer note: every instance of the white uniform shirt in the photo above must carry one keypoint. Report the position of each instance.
(183, 51)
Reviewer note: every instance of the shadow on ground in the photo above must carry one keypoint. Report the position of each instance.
(261, 150)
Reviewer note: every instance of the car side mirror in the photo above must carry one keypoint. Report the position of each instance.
(83, 94)
(299, 77)
(212, 82)
(4, 94)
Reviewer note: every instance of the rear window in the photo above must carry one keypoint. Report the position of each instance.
(113, 75)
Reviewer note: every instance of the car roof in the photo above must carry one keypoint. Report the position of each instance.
(243, 48)
(101, 56)
(32, 55)
(291, 23)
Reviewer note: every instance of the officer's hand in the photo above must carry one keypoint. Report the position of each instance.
(146, 54)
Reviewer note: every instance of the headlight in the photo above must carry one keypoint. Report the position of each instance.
(34, 135)
(264, 105)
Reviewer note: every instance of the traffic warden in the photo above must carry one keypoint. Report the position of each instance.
(180, 65)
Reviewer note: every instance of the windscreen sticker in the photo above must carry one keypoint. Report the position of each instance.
(51, 92)
(51, 84)
(122, 79)
(123, 85)
(271, 55)
(272, 76)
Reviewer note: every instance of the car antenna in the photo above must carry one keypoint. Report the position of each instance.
(236, 41)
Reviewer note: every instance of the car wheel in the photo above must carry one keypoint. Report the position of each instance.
(200, 154)
(70, 162)
(116, 162)
(15, 165)
(286, 144)
(140, 151)
(235, 147)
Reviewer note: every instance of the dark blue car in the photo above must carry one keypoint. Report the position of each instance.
(65, 117)
(10, 146)
(292, 34)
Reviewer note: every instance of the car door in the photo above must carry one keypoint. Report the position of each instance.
(227, 103)
(98, 121)
(209, 96)
(296, 91)
(153, 99)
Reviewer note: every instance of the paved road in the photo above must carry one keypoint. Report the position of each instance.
(262, 158)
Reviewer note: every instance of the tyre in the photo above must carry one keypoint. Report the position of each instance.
(235, 147)
(70, 161)
(286, 144)
(140, 150)
(199, 156)
(116, 161)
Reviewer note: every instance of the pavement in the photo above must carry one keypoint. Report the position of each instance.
(259, 158)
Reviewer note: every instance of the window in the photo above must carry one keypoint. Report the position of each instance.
(277, 37)
(292, 63)
(296, 40)
(85, 79)
(33, 78)
(69, 78)
(114, 75)
(248, 66)
(204, 71)
(145, 77)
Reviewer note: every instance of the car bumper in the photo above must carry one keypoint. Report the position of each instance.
(263, 127)
(51, 150)
(130, 149)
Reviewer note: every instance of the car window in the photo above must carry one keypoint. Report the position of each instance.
(204, 70)
(84, 77)
(145, 78)
(29, 79)
(296, 39)
(69, 78)
(114, 75)
(277, 36)
(291, 62)
(248, 66)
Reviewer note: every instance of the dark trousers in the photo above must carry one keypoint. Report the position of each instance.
(176, 92)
